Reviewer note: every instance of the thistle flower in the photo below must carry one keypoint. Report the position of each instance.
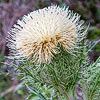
(37, 35)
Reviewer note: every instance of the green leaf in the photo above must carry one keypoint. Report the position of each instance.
(91, 46)
(32, 97)
(90, 81)
(34, 91)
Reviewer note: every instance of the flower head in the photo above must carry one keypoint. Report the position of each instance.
(37, 35)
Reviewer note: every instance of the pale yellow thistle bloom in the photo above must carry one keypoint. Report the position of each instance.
(37, 35)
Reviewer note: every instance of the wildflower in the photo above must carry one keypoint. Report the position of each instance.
(37, 35)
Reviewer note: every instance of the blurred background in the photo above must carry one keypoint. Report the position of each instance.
(11, 10)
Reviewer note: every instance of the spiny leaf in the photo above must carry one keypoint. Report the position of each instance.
(34, 91)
